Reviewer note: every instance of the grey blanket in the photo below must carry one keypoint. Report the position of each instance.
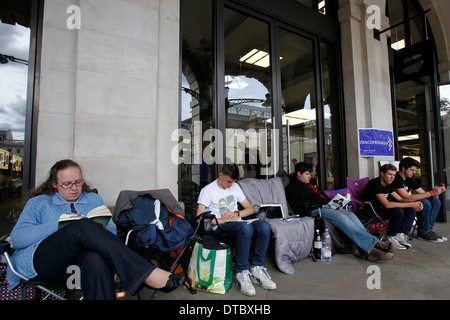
(293, 237)
(126, 199)
(293, 241)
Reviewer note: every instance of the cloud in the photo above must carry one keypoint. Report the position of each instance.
(14, 41)
(12, 117)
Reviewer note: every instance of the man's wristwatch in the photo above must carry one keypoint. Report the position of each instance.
(238, 213)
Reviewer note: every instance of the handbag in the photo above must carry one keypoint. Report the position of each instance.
(210, 267)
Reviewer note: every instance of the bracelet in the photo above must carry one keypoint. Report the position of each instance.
(431, 194)
(238, 213)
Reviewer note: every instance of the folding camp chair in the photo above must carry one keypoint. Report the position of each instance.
(364, 210)
(152, 223)
(332, 193)
(25, 285)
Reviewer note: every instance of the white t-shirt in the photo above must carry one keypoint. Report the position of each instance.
(220, 200)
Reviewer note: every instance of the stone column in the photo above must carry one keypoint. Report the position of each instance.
(367, 93)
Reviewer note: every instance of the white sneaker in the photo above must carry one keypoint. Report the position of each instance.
(397, 245)
(401, 239)
(244, 283)
(260, 275)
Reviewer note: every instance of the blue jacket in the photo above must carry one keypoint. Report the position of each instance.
(38, 220)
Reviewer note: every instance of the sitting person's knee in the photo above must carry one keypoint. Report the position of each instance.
(262, 227)
(245, 230)
(82, 225)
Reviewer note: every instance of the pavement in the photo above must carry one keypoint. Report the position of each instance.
(419, 273)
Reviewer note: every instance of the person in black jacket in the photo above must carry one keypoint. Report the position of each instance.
(307, 199)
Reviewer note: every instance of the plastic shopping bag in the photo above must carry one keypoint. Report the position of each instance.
(210, 269)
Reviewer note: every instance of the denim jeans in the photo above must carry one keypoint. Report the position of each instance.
(241, 235)
(427, 217)
(350, 225)
(400, 219)
(98, 253)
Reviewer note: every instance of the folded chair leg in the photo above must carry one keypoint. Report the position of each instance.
(23, 291)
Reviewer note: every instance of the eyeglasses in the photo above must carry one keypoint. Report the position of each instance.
(67, 185)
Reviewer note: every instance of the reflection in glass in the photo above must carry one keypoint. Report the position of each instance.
(196, 99)
(248, 104)
(14, 47)
(412, 74)
(299, 102)
(319, 5)
(413, 135)
(333, 148)
(444, 92)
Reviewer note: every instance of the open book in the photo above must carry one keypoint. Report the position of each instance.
(100, 214)
(338, 202)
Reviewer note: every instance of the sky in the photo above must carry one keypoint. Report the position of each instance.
(445, 91)
(14, 41)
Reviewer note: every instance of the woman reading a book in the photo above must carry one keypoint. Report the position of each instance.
(44, 251)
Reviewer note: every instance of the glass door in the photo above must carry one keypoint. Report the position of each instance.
(196, 114)
(335, 154)
(14, 52)
(413, 129)
(260, 91)
(249, 140)
(444, 99)
(299, 102)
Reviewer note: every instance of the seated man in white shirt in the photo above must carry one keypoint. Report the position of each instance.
(221, 197)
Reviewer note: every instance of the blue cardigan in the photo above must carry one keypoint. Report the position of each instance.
(38, 220)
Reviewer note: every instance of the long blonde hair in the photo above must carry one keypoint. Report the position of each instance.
(47, 186)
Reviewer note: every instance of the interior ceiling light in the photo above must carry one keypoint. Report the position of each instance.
(257, 57)
(408, 137)
(398, 45)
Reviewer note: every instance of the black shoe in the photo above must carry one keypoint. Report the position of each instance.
(174, 282)
(429, 236)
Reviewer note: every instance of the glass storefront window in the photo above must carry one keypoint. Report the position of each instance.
(319, 5)
(299, 102)
(333, 148)
(248, 118)
(196, 99)
(413, 138)
(412, 75)
(444, 91)
(14, 51)
(405, 34)
(259, 93)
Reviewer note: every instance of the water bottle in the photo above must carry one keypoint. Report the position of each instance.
(325, 254)
(317, 246)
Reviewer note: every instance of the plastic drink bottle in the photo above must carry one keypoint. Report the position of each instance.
(325, 255)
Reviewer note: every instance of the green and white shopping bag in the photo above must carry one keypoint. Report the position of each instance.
(210, 268)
